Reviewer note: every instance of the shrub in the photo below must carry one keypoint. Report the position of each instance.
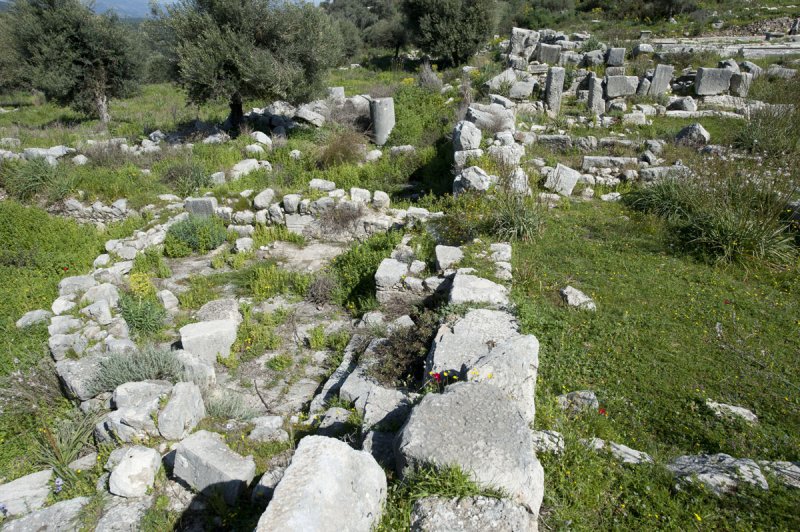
(186, 177)
(342, 145)
(515, 217)
(201, 291)
(355, 269)
(269, 280)
(228, 405)
(423, 117)
(465, 218)
(256, 335)
(57, 448)
(724, 214)
(266, 234)
(144, 314)
(316, 338)
(149, 363)
(280, 363)
(427, 78)
(322, 289)
(400, 359)
(25, 180)
(151, 262)
(194, 234)
(342, 218)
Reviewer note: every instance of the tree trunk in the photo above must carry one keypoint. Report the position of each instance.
(101, 102)
(237, 113)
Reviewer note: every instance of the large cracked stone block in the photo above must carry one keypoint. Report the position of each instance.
(494, 445)
(136, 472)
(470, 514)
(206, 464)
(459, 346)
(209, 339)
(562, 180)
(468, 288)
(328, 486)
(466, 136)
(64, 515)
(512, 366)
(710, 81)
(26, 494)
(620, 86)
(662, 77)
(183, 412)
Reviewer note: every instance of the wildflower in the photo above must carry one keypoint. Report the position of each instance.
(698, 517)
(437, 377)
(602, 411)
(59, 485)
(727, 301)
(65, 269)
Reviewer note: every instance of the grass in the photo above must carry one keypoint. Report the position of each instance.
(652, 354)
(355, 269)
(447, 482)
(724, 213)
(202, 289)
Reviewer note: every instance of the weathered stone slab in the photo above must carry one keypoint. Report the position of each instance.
(328, 486)
(495, 446)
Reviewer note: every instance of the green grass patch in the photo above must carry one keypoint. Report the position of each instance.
(355, 270)
(448, 482)
(653, 353)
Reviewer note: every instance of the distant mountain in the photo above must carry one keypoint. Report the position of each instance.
(127, 8)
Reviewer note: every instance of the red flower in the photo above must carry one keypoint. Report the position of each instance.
(65, 268)
(727, 301)
(602, 411)
(437, 377)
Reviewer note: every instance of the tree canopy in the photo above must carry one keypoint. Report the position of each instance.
(73, 55)
(235, 49)
(450, 29)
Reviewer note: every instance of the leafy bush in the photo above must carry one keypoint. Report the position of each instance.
(355, 269)
(150, 363)
(256, 335)
(427, 78)
(423, 117)
(723, 214)
(201, 291)
(266, 234)
(144, 314)
(280, 363)
(151, 262)
(269, 280)
(774, 130)
(342, 218)
(195, 234)
(186, 177)
(464, 219)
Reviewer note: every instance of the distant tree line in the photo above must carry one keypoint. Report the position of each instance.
(236, 49)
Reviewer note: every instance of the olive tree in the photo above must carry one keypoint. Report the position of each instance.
(450, 29)
(73, 55)
(236, 49)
